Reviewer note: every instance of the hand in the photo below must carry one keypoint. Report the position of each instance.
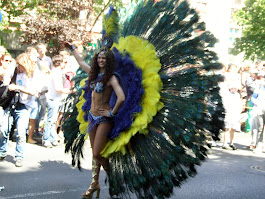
(74, 90)
(69, 91)
(67, 44)
(2, 77)
(104, 112)
(66, 91)
(13, 87)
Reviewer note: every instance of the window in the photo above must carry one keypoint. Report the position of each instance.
(234, 33)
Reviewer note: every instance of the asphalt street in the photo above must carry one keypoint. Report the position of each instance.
(47, 173)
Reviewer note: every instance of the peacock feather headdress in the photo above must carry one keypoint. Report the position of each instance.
(111, 28)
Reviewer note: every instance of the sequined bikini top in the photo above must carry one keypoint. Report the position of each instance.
(96, 85)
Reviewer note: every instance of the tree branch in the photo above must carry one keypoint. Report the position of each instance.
(105, 7)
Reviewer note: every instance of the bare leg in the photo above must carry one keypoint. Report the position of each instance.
(58, 120)
(225, 137)
(92, 135)
(232, 133)
(100, 142)
(32, 123)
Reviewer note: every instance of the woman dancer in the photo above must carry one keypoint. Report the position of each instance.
(102, 82)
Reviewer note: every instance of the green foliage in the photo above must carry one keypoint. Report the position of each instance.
(12, 10)
(252, 20)
(2, 42)
(100, 4)
(52, 21)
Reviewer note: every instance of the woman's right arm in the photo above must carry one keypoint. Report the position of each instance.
(80, 61)
(78, 58)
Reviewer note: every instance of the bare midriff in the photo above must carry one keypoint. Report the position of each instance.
(100, 100)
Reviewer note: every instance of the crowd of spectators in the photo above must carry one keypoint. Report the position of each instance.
(39, 86)
(243, 94)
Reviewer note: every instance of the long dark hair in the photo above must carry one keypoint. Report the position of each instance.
(109, 67)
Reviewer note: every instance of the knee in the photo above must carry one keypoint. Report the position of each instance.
(21, 138)
(96, 155)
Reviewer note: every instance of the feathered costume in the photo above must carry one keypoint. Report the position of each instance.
(160, 132)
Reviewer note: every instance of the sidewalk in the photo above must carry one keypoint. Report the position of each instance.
(241, 141)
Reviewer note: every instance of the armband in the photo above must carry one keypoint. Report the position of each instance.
(111, 114)
(71, 48)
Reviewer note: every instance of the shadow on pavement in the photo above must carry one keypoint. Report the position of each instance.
(51, 179)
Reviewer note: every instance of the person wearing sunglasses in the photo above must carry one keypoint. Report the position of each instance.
(6, 77)
(7, 69)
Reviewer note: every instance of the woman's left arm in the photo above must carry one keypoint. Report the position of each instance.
(119, 93)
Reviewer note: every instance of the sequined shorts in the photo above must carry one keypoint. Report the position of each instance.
(94, 120)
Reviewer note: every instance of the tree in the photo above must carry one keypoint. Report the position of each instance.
(55, 21)
(58, 20)
(252, 20)
(11, 12)
(52, 21)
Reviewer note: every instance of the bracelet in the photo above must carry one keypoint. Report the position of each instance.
(111, 114)
(71, 48)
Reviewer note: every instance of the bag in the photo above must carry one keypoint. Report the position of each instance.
(68, 80)
(6, 95)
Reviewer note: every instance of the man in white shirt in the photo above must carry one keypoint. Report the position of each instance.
(45, 65)
(55, 97)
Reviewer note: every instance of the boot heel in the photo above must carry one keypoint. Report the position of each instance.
(98, 192)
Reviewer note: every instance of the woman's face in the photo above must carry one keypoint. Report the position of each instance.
(20, 68)
(65, 60)
(6, 61)
(101, 59)
(42, 49)
(34, 55)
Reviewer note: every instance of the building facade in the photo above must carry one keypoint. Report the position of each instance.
(218, 16)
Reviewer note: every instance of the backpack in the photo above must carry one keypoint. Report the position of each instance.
(6, 95)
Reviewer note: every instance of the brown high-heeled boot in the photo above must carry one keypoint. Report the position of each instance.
(94, 186)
